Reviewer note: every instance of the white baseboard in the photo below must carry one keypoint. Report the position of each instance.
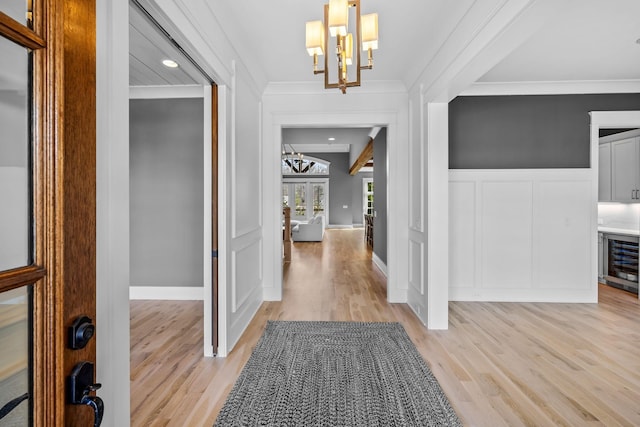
(194, 293)
(339, 226)
(381, 265)
(586, 296)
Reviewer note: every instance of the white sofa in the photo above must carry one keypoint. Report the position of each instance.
(311, 231)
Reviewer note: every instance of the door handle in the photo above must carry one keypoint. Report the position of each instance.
(80, 384)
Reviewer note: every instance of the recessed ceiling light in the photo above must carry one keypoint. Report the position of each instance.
(170, 63)
(332, 139)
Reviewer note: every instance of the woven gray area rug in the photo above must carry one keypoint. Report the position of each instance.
(336, 374)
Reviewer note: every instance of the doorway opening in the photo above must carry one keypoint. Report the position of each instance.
(173, 172)
(618, 208)
(348, 177)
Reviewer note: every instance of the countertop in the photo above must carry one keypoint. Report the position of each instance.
(624, 231)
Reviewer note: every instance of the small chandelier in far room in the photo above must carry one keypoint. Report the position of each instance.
(337, 17)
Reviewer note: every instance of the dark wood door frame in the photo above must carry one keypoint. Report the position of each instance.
(214, 216)
(63, 37)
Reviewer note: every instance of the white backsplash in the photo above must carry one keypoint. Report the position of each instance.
(619, 215)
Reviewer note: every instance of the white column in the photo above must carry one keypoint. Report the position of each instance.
(112, 216)
(437, 136)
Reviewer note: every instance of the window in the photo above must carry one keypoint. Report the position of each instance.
(295, 164)
(367, 193)
(306, 197)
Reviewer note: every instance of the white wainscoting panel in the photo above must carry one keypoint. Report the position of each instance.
(506, 234)
(243, 212)
(416, 171)
(417, 281)
(462, 234)
(522, 235)
(561, 234)
(245, 263)
(246, 160)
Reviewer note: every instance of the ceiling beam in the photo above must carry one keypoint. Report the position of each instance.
(365, 156)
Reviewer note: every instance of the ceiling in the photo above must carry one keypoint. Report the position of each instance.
(276, 31)
(594, 40)
(148, 47)
(316, 140)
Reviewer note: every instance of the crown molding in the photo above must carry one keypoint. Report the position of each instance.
(565, 87)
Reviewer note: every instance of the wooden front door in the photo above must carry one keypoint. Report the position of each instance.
(47, 210)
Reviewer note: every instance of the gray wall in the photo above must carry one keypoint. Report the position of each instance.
(357, 197)
(512, 132)
(166, 185)
(344, 189)
(380, 195)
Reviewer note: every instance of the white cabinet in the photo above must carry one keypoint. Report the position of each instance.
(600, 256)
(604, 173)
(625, 170)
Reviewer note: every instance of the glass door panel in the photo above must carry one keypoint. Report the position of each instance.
(299, 211)
(15, 98)
(319, 200)
(285, 195)
(15, 357)
(16, 219)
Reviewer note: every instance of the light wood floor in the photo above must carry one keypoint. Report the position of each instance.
(500, 364)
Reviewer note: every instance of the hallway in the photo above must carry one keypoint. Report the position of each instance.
(500, 364)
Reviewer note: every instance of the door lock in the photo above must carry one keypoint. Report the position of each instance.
(80, 384)
(80, 332)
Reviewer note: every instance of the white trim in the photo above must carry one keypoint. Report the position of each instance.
(614, 119)
(378, 263)
(279, 114)
(187, 293)
(223, 239)
(165, 92)
(552, 87)
(112, 210)
(437, 239)
(340, 226)
(618, 136)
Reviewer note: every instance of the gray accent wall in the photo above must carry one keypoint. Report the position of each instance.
(380, 195)
(517, 132)
(166, 191)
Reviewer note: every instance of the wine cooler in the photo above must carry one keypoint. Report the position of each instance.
(621, 263)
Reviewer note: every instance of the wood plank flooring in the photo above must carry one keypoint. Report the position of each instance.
(500, 364)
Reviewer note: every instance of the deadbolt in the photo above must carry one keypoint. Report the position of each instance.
(80, 332)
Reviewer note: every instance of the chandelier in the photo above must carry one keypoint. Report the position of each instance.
(294, 161)
(338, 14)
